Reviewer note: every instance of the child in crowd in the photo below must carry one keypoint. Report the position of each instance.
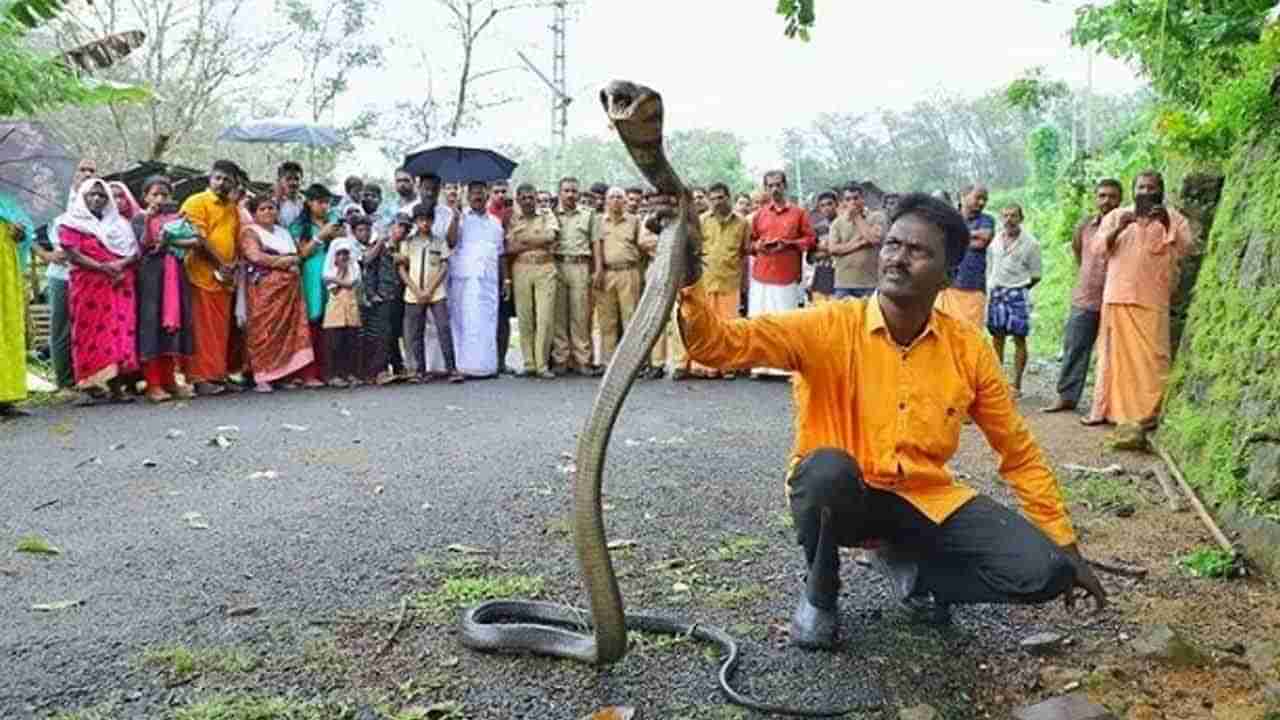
(424, 269)
(381, 302)
(342, 313)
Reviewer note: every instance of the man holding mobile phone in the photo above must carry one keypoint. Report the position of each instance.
(1144, 244)
(780, 235)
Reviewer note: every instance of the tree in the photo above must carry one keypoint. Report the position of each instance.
(34, 81)
(470, 19)
(194, 59)
(799, 17)
(330, 42)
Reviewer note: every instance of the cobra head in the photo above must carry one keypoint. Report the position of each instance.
(634, 111)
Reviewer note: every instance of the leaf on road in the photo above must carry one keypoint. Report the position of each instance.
(227, 429)
(613, 712)
(220, 441)
(196, 521)
(294, 428)
(174, 433)
(192, 461)
(55, 606)
(467, 549)
(451, 661)
(149, 463)
(118, 446)
(633, 443)
(452, 408)
(569, 469)
(566, 455)
(444, 710)
(88, 461)
(377, 489)
(426, 506)
(680, 587)
(36, 545)
(621, 544)
(264, 475)
(344, 412)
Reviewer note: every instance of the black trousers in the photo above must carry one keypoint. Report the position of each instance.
(1078, 338)
(983, 553)
(343, 346)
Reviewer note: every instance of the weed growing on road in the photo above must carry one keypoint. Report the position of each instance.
(102, 711)
(646, 642)
(323, 657)
(36, 545)
(1209, 562)
(182, 661)
(736, 597)
(739, 548)
(249, 707)
(1102, 493)
(458, 592)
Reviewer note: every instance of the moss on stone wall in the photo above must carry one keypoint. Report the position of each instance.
(1222, 410)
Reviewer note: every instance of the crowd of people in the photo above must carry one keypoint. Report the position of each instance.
(303, 287)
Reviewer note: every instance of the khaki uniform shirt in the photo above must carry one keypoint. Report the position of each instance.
(542, 230)
(722, 243)
(426, 259)
(620, 239)
(858, 269)
(577, 229)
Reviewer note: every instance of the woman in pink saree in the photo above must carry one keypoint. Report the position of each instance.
(102, 249)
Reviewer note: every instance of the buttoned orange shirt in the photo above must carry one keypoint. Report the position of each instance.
(1143, 268)
(898, 411)
(723, 242)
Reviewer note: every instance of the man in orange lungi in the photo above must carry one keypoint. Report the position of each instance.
(967, 296)
(1144, 243)
(211, 270)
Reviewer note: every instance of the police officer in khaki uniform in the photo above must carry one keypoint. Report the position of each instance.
(618, 280)
(531, 239)
(571, 344)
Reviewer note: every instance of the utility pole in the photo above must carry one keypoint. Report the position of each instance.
(560, 96)
(558, 82)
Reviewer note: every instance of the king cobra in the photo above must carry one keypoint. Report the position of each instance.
(542, 628)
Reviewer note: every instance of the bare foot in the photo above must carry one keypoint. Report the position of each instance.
(1092, 422)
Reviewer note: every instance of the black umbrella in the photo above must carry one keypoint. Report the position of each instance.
(35, 169)
(455, 162)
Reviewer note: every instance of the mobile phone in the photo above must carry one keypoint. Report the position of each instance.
(1142, 205)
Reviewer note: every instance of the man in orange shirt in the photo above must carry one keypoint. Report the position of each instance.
(881, 388)
(780, 236)
(1144, 243)
(211, 271)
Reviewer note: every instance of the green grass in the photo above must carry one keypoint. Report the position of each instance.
(255, 707)
(456, 592)
(738, 548)
(102, 711)
(1102, 492)
(1209, 562)
(736, 597)
(36, 545)
(322, 656)
(182, 661)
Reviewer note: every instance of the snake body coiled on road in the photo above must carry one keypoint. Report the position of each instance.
(544, 628)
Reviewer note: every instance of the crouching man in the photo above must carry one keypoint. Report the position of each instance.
(881, 388)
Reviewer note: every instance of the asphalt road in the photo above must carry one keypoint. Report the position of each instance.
(359, 513)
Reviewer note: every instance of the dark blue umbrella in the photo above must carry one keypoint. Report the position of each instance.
(455, 163)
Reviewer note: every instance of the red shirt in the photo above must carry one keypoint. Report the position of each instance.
(791, 225)
(499, 210)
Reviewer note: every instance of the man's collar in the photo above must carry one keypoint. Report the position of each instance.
(775, 207)
(875, 321)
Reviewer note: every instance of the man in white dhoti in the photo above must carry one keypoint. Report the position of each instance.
(780, 236)
(474, 279)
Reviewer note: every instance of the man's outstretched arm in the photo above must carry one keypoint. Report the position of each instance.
(781, 340)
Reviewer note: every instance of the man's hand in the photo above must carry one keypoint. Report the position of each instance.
(597, 281)
(1084, 579)
(1126, 218)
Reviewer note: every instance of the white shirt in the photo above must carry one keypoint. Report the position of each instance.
(1013, 263)
(480, 239)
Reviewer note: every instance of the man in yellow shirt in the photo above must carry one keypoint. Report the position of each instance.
(617, 278)
(211, 270)
(881, 387)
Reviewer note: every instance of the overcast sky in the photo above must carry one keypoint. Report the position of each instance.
(725, 64)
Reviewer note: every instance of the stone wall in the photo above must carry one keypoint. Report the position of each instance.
(1222, 409)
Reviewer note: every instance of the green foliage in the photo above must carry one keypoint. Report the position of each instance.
(1209, 562)
(36, 545)
(182, 662)
(1034, 93)
(31, 13)
(799, 16)
(1044, 156)
(1224, 387)
(253, 707)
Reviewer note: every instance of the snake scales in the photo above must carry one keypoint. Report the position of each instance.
(544, 628)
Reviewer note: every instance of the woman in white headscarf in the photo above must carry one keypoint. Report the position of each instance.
(102, 249)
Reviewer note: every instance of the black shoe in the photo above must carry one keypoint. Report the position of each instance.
(812, 627)
(927, 610)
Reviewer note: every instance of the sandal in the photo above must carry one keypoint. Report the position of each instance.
(456, 378)
(158, 395)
